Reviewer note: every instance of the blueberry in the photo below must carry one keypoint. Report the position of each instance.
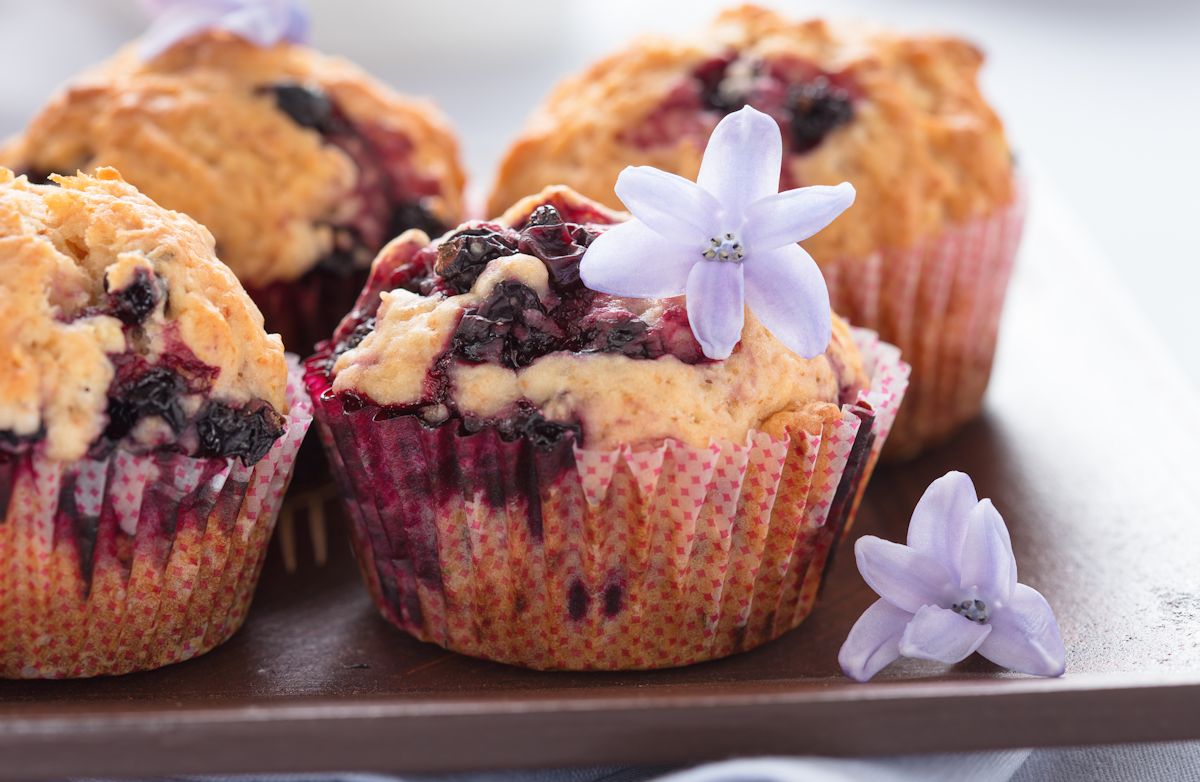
(559, 247)
(155, 393)
(816, 109)
(544, 215)
(465, 254)
(134, 303)
(308, 107)
(542, 433)
(414, 214)
(355, 337)
(510, 328)
(629, 336)
(226, 432)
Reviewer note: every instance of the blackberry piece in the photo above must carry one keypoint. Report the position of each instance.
(817, 108)
(465, 254)
(39, 176)
(134, 303)
(155, 393)
(227, 432)
(308, 107)
(355, 337)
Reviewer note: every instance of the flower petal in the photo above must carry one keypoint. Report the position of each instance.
(176, 23)
(786, 292)
(988, 566)
(1025, 636)
(629, 259)
(874, 641)
(900, 575)
(794, 215)
(940, 634)
(675, 207)
(716, 306)
(742, 161)
(939, 522)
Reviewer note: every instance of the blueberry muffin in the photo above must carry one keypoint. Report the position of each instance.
(146, 432)
(549, 476)
(924, 255)
(301, 165)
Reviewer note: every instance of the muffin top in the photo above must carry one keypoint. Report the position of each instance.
(900, 116)
(292, 159)
(119, 327)
(491, 326)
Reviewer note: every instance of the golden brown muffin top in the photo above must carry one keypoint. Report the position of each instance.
(285, 154)
(119, 324)
(901, 117)
(491, 325)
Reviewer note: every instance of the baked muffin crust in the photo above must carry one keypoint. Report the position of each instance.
(525, 341)
(99, 287)
(899, 116)
(285, 154)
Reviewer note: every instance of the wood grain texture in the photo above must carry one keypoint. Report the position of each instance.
(1088, 448)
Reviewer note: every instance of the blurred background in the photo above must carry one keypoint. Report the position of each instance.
(1100, 96)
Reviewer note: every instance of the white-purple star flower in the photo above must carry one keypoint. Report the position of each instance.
(261, 22)
(727, 240)
(950, 592)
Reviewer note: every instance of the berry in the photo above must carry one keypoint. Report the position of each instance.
(511, 328)
(542, 433)
(465, 254)
(308, 108)
(134, 303)
(11, 442)
(155, 393)
(626, 336)
(544, 215)
(817, 108)
(560, 247)
(247, 434)
(414, 214)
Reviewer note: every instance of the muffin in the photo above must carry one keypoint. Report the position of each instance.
(147, 430)
(301, 165)
(547, 476)
(925, 254)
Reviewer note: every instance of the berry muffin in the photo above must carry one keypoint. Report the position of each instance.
(301, 165)
(548, 476)
(925, 254)
(147, 431)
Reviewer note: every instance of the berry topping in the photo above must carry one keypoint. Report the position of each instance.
(558, 245)
(465, 254)
(154, 394)
(246, 434)
(308, 107)
(544, 215)
(817, 108)
(511, 328)
(134, 303)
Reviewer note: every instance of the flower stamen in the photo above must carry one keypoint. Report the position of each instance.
(725, 249)
(975, 610)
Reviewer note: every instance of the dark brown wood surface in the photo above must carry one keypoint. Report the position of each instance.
(1088, 448)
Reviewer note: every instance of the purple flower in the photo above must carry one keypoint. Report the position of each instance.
(727, 240)
(261, 22)
(950, 592)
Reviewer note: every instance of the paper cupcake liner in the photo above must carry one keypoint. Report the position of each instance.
(133, 562)
(940, 303)
(614, 559)
(306, 311)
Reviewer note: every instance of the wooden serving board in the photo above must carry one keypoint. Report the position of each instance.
(1088, 448)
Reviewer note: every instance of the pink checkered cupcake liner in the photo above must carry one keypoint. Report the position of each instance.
(135, 561)
(614, 559)
(940, 302)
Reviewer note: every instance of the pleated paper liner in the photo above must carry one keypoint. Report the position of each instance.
(582, 559)
(940, 302)
(306, 310)
(133, 562)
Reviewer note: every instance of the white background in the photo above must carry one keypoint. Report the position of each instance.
(1102, 97)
